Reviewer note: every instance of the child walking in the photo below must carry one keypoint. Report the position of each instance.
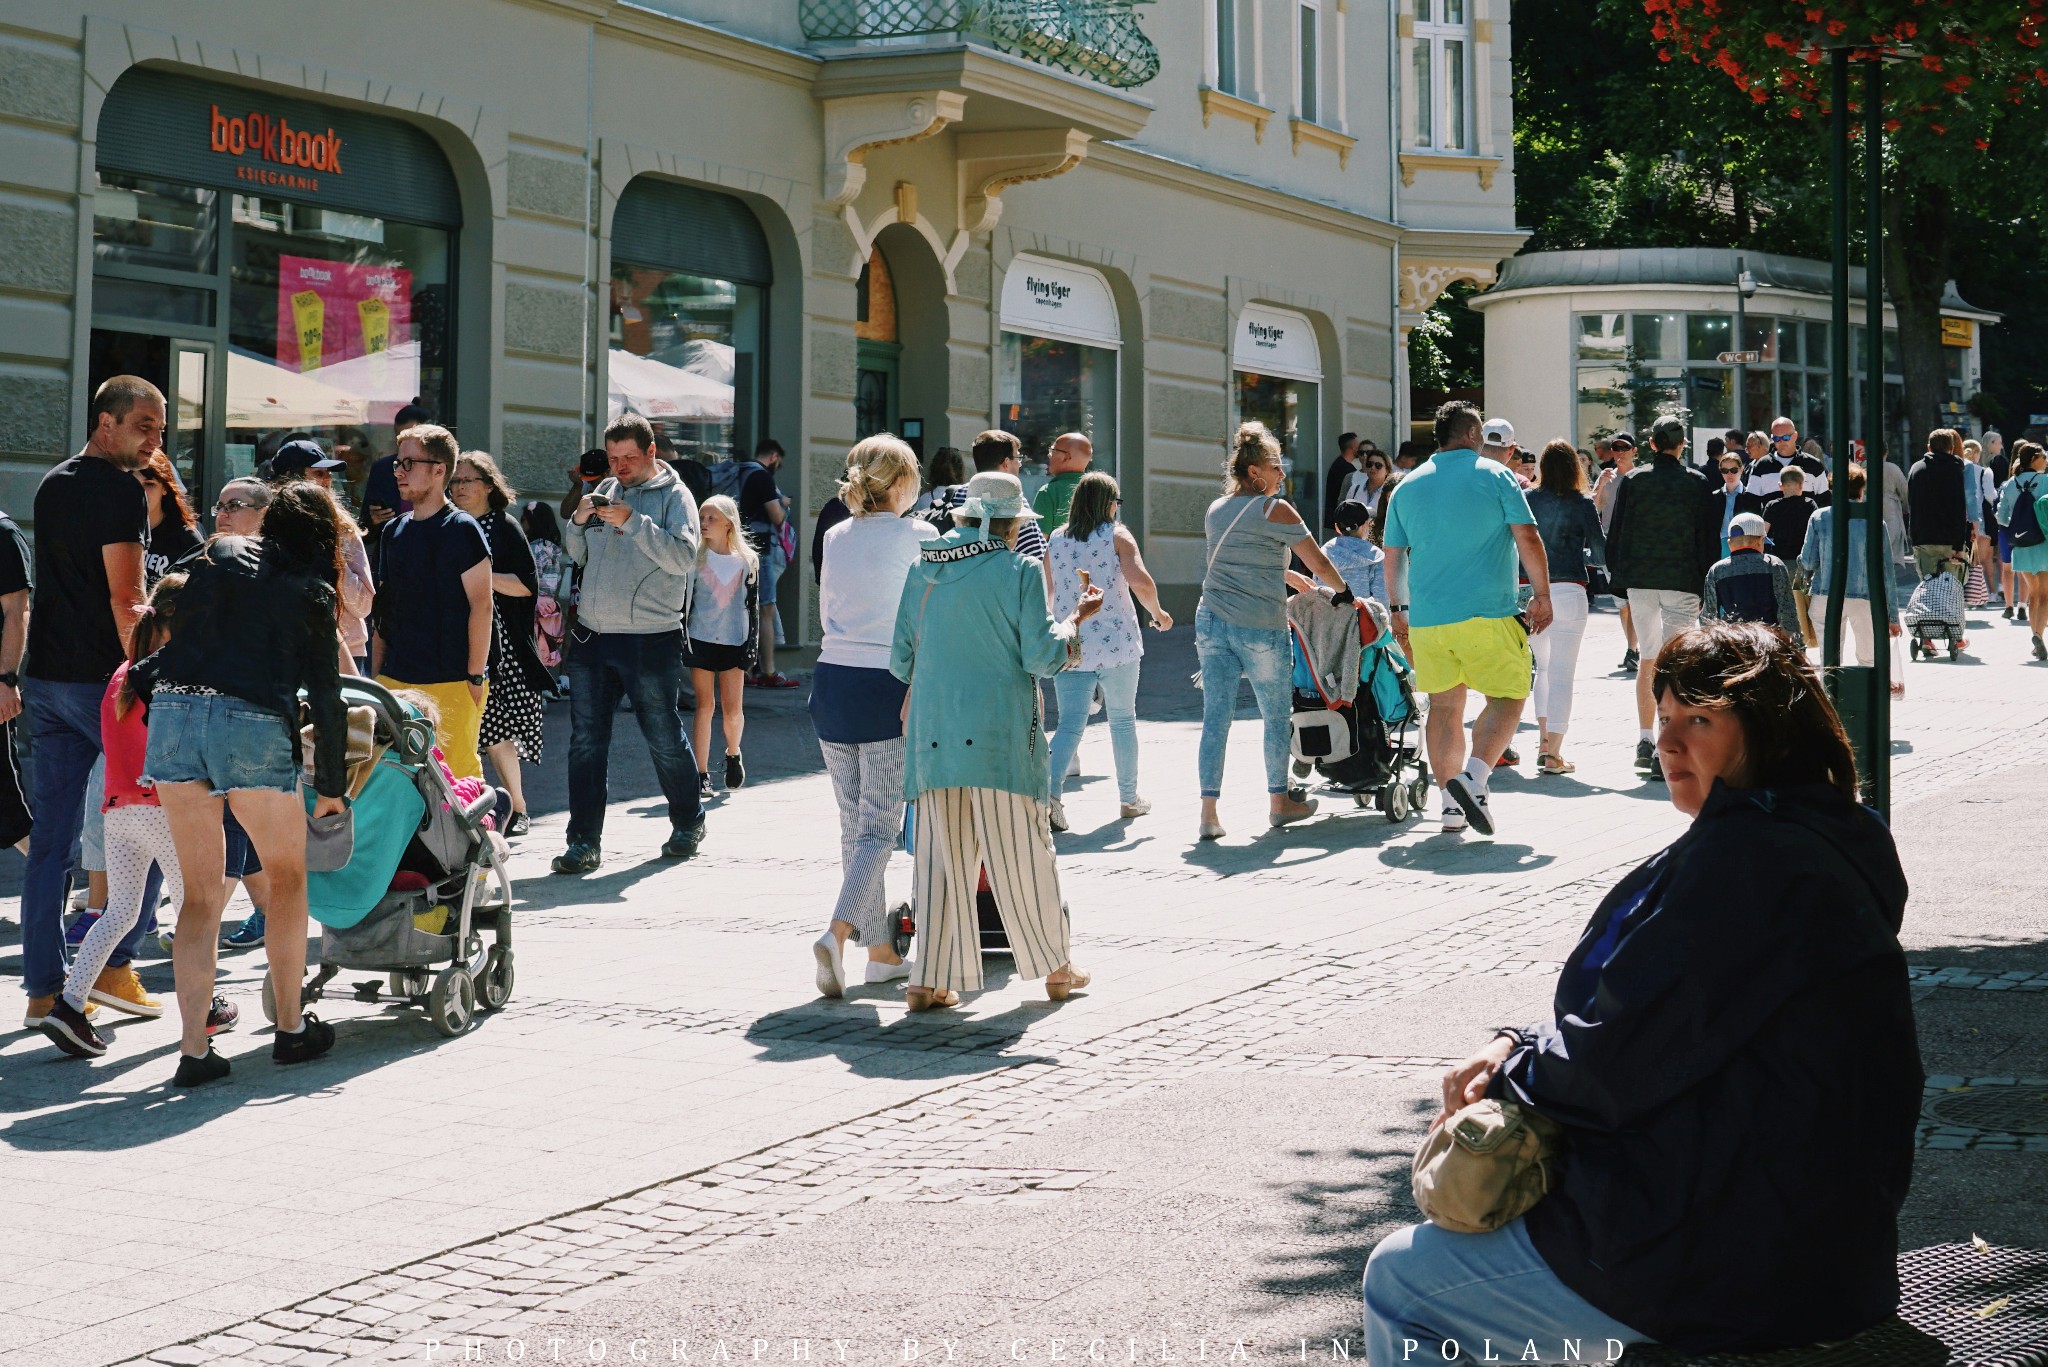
(724, 633)
(137, 836)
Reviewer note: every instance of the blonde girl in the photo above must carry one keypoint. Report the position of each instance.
(724, 633)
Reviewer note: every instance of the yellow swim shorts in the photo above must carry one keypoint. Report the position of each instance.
(1489, 654)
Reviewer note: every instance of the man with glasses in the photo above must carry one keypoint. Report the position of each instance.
(92, 532)
(434, 602)
(239, 509)
(1343, 472)
(1783, 453)
(1068, 459)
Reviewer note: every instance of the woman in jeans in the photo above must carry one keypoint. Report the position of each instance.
(255, 625)
(1817, 555)
(1241, 622)
(1570, 527)
(1095, 542)
(857, 704)
(1730, 1052)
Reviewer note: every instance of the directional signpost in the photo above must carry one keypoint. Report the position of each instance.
(1740, 358)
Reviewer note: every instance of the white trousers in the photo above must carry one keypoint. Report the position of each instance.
(137, 835)
(960, 831)
(1557, 656)
(1855, 622)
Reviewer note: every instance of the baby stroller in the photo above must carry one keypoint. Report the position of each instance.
(424, 881)
(1934, 614)
(1362, 744)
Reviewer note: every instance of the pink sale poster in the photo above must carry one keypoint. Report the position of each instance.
(333, 311)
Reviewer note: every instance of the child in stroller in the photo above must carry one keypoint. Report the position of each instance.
(1934, 614)
(1359, 740)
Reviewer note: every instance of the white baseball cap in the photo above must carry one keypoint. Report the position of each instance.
(1747, 524)
(1498, 432)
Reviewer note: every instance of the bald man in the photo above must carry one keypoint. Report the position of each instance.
(1066, 462)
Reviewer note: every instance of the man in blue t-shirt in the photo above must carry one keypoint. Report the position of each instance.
(1454, 529)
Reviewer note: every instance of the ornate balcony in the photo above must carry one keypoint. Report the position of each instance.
(1099, 39)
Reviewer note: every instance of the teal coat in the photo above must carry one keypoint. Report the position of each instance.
(987, 637)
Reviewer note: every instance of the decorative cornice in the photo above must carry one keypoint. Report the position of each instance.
(1423, 281)
(1320, 136)
(1411, 162)
(990, 163)
(856, 125)
(1222, 102)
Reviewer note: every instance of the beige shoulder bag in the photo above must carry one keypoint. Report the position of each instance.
(1485, 1166)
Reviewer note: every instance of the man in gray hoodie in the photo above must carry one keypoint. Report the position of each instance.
(635, 536)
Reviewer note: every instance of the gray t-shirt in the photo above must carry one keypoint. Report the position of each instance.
(1246, 584)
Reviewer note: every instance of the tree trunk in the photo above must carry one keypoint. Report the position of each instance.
(1918, 224)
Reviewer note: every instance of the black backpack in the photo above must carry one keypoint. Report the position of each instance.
(2026, 519)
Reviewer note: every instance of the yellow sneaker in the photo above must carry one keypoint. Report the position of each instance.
(39, 1009)
(122, 990)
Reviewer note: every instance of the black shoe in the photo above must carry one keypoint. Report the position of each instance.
(1646, 756)
(1655, 773)
(519, 825)
(2040, 650)
(2007, 614)
(578, 858)
(1631, 661)
(314, 1038)
(683, 844)
(70, 1031)
(735, 772)
(193, 1071)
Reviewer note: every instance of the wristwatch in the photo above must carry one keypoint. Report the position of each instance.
(478, 680)
(12, 680)
(1398, 607)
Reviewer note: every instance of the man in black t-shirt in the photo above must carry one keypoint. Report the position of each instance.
(763, 509)
(434, 598)
(92, 531)
(15, 821)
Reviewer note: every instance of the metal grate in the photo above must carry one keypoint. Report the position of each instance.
(1961, 1306)
(1099, 39)
(2000, 1110)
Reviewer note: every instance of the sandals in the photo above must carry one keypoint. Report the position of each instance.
(1551, 764)
(1064, 980)
(929, 998)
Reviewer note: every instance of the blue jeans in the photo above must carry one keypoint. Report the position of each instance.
(1265, 656)
(1490, 1294)
(1076, 690)
(602, 668)
(63, 721)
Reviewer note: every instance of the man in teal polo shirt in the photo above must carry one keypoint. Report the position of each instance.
(1458, 522)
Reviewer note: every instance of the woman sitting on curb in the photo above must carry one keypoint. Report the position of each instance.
(1731, 1056)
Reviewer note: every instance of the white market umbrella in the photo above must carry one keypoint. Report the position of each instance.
(653, 390)
(388, 378)
(261, 394)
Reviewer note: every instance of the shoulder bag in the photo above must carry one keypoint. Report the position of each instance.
(1196, 677)
(1485, 1166)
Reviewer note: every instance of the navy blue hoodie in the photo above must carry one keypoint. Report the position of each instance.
(1734, 1060)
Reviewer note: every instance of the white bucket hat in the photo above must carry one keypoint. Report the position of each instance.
(992, 495)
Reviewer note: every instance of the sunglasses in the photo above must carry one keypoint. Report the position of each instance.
(233, 505)
(1375, 465)
(407, 464)
(1731, 469)
(1782, 436)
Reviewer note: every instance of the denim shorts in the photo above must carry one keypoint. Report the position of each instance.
(225, 743)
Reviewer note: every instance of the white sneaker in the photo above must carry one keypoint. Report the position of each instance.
(831, 973)
(886, 973)
(1454, 818)
(1058, 815)
(1471, 799)
(80, 898)
(1133, 809)
(1074, 766)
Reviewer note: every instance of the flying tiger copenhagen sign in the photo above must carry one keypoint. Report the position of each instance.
(296, 157)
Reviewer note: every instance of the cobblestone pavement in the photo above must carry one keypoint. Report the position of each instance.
(1229, 1108)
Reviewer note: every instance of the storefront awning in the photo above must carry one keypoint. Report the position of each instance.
(1059, 299)
(1280, 342)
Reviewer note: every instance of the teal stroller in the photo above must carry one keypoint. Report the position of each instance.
(425, 885)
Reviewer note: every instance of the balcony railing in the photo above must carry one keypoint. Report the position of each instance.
(1099, 39)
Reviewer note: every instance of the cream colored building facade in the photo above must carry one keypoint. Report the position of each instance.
(529, 214)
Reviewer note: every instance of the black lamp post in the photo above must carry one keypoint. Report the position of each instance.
(1745, 289)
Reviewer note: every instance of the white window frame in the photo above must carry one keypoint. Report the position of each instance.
(1243, 80)
(1310, 97)
(1429, 128)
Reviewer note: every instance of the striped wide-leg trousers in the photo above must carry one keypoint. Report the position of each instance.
(959, 831)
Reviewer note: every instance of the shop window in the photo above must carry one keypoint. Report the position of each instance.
(686, 355)
(1659, 336)
(1707, 335)
(335, 322)
(1288, 407)
(1601, 337)
(1049, 386)
(1440, 58)
(153, 223)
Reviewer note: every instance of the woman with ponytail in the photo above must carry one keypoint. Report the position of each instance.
(1241, 622)
(857, 704)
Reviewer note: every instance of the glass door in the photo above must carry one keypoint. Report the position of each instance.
(192, 403)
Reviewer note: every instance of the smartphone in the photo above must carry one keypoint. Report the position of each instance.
(598, 500)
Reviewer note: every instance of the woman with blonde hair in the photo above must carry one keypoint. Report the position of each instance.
(1241, 622)
(724, 634)
(1094, 547)
(857, 704)
(514, 712)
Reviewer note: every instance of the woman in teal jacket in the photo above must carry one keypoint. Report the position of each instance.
(973, 637)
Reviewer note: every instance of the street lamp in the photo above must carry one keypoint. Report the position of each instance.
(1745, 290)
